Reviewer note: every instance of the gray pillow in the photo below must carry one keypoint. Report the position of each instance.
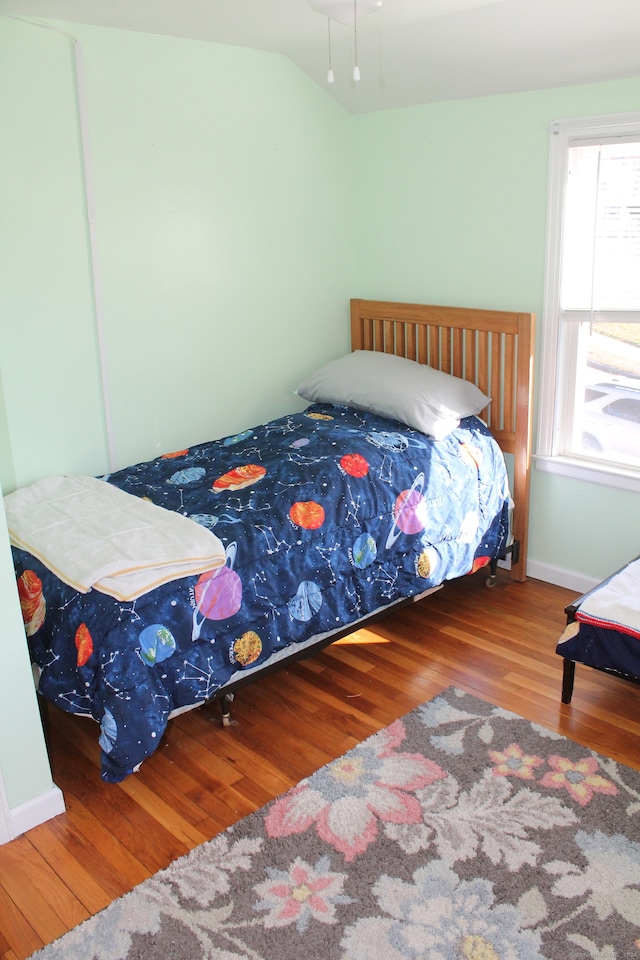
(417, 395)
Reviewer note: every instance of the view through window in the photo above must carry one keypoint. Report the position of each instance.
(608, 418)
(600, 301)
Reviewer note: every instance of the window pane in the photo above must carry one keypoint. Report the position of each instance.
(588, 423)
(601, 242)
(606, 422)
(616, 282)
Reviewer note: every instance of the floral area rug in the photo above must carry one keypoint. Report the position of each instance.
(460, 832)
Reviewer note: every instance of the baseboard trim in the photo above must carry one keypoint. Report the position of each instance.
(36, 811)
(561, 577)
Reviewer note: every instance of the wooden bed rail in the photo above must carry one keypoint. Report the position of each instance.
(492, 348)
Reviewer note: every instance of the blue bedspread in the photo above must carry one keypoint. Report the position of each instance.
(326, 516)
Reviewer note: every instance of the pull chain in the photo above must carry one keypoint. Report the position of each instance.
(356, 69)
(330, 76)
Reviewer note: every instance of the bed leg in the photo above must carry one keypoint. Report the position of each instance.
(568, 676)
(514, 550)
(225, 701)
(493, 573)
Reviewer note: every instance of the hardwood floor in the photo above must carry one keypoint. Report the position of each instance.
(496, 643)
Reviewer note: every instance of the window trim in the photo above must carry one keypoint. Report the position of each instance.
(562, 133)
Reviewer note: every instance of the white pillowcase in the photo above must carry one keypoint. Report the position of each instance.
(417, 395)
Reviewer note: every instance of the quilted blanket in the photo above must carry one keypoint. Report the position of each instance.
(91, 534)
(325, 516)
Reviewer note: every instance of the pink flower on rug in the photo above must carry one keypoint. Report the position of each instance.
(581, 779)
(346, 799)
(300, 894)
(513, 762)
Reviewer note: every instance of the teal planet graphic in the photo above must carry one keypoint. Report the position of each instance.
(364, 551)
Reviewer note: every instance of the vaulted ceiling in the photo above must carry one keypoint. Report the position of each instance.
(409, 51)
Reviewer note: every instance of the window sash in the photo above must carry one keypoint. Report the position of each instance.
(600, 265)
(599, 316)
(560, 349)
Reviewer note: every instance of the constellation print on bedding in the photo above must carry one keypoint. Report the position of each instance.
(206, 679)
(159, 697)
(352, 506)
(354, 595)
(253, 452)
(54, 658)
(118, 693)
(236, 504)
(325, 553)
(388, 580)
(391, 445)
(260, 578)
(274, 545)
(63, 606)
(282, 427)
(302, 460)
(78, 704)
(385, 470)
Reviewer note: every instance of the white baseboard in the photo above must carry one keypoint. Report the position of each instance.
(6, 824)
(561, 577)
(37, 810)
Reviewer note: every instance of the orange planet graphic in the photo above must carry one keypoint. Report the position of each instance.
(307, 514)
(427, 562)
(479, 562)
(247, 648)
(354, 465)
(84, 644)
(319, 416)
(239, 477)
(176, 453)
(32, 602)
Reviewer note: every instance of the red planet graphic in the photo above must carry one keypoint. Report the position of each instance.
(307, 514)
(354, 464)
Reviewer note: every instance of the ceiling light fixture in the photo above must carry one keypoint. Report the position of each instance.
(345, 12)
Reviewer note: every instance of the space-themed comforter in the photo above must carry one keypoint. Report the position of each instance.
(325, 516)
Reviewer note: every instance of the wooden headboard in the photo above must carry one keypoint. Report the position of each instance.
(492, 348)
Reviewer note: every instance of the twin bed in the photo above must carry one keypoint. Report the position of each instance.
(603, 629)
(283, 537)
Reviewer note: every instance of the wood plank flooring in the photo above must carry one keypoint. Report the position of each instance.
(498, 644)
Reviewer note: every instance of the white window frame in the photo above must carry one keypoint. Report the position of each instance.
(553, 386)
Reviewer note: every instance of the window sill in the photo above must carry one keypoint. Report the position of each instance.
(590, 471)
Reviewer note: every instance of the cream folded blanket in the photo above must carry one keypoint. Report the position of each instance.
(92, 534)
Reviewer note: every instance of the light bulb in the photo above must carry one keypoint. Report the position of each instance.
(330, 77)
(356, 73)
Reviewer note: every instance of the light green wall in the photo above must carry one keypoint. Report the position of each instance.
(231, 198)
(224, 234)
(23, 758)
(224, 200)
(452, 204)
(47, 347)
